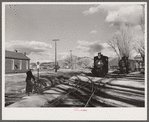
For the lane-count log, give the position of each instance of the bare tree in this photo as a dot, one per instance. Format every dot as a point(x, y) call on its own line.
point(121, 41)
point(142, 18)
point(70, 61)
point(84, 63)
point(67, 62)
point(140, 46)
point(77, 62)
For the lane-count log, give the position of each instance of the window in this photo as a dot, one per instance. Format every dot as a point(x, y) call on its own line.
point(20, 64)
point(26, 64)
point(12, 64)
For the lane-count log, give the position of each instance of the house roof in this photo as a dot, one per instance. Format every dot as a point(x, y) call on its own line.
point(15, 55)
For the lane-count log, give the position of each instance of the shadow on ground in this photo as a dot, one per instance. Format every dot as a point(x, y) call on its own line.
point(111, 95)
point(108, 95)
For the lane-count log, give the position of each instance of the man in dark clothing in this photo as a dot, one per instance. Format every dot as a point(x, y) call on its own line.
point(29, 85)
point(16, 68)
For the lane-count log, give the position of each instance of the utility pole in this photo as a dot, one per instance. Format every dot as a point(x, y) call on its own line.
point(71, 59)
point(38, 66)
point(55, 53)
point(75, 64)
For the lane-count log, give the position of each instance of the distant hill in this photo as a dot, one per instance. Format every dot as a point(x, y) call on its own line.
point(47, 63)
point(112, 62)
point(84, 58)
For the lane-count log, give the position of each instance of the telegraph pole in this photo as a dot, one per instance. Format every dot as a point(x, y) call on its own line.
point(71, 59)
point(38, 66)
point(55, 53)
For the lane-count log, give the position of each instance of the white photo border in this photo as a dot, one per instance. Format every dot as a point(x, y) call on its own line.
point(70, 113)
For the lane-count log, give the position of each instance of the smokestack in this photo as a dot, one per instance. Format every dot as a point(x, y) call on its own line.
point(15, 50)
point(25, 53)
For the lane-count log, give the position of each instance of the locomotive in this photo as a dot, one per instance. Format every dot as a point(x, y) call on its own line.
point(100, 65)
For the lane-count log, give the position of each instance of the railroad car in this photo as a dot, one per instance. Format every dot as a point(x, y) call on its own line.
point(131, 65)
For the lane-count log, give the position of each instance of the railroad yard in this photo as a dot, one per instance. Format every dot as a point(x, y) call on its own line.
point(74, 61)
point(78, 89)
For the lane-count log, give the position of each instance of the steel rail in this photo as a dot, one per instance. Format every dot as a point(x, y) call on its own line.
point(95, 90)
point(64, 96)
point(77, 86)
point(90, 98)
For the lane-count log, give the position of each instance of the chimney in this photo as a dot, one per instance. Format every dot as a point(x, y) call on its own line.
point(15, 50)
point(25, 53)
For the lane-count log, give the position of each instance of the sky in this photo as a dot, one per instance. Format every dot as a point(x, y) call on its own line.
point(82, 28)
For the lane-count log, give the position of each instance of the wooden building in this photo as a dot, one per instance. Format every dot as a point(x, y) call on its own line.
point(16, 62)
point(139, 63)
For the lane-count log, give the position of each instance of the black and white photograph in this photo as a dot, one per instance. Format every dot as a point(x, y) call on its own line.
point(74, 61)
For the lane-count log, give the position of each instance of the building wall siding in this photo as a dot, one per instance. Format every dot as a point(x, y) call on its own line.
point(8, 65)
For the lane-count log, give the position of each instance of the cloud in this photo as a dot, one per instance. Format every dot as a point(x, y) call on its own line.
point(86, 43)
point(118, 13)
point(137, 27)
point(102, 8)
point(92, 48)
point(93, 32)
point(130, 14)
point(8, 46)
point(28, 46)
point(41, 56)
point(47, 56)
point(105, 45)
point(91, 10)
point(108, 51)
point(35, 50)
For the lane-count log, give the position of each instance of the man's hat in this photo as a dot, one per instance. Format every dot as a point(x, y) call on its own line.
point(99, 53)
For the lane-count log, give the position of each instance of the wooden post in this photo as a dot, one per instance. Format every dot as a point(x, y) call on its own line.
point(38, 69)
point(56, 54)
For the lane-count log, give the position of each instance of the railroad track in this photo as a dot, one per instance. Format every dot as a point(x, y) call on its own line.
point(74, 97)
point(65, 96)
